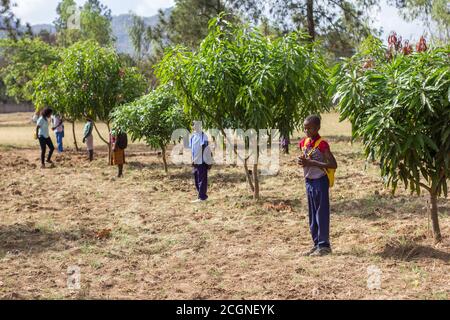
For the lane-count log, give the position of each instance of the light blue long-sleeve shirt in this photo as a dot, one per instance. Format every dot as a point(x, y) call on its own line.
point(196, 143)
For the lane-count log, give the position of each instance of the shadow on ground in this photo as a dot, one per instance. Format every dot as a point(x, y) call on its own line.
point(373, 207)
point(411, 251)
point(30, 239)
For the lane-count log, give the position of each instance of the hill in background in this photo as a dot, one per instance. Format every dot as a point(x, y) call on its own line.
point(120, 25)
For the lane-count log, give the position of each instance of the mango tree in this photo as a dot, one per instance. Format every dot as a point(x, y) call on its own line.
point(23, 60)
point(398, 103)
point(152, 118)
point(92, 82)
point(240, 79)
point(47, 92)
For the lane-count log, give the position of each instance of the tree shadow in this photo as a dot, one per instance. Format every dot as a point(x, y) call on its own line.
point(138, 165)
point(185, 174)
point(228, 177)
point(29, 239)
point(374, 207)
point(281, 205)
point(215, 175)
point(411, 251)
point(294, 201)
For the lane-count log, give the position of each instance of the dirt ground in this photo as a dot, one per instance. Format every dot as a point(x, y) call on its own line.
point(139, 237)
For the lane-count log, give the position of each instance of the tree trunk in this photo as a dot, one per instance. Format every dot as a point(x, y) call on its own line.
point(163, 152)
point(74, 136)
point(248, 176)
point(247, 172)
point(310, 18)
point(110, 158)
point(219, 6)
point(285, 143)
point(256, 182)
point(434, 217)
point(108, 143)
point(255, 173)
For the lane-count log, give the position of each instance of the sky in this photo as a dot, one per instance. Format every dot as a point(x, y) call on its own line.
point(44, 11)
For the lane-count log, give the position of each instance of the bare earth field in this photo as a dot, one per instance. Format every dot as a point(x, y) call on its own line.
point(139, 237)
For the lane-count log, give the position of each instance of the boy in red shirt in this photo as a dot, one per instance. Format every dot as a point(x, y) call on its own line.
point(315, 159)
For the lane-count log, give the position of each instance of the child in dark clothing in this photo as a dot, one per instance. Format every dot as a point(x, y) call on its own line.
point(315, 159)
point(118, 154)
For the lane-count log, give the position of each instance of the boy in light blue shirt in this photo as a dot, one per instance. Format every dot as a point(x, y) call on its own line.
point(198, 143)
point(58, 128)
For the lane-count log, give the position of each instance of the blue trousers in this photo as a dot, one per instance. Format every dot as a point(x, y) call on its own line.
point(317, 191)
point(201, 180)
point(59, 140)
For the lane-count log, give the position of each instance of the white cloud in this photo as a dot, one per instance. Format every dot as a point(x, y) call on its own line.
point(36, 11)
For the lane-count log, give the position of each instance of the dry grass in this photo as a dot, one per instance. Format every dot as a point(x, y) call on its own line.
point(17, 131)
point(162, 247)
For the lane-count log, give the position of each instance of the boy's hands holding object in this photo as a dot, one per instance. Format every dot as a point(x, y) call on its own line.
point(304, 162)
